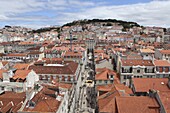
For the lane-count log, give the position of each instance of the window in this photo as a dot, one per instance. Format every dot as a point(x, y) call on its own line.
point(105, 81)
point(138, 71)
point(111, 76)
point(100, 81)
point(129, 77)
point(2, 88)
point(122, 70)
point(153, 70)
point(111, 81)
point(130, 69)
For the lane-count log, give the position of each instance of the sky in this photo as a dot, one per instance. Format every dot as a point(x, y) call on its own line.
point(43, 13)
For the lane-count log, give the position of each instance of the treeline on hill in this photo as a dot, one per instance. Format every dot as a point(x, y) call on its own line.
point(125, 24)
point(41, 30)
point(108, 22)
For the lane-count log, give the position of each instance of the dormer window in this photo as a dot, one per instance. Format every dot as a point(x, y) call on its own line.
point(31, 104)
point(111, 76)
point(138, 71)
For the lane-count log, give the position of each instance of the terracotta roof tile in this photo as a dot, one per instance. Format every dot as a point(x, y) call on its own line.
point(45, 101)
point(165, 99)
point(133, 55)
point(26, 43)
point(146, 51)
point(136, 62)
point(72, 54)
point(107, 104)
point(64, 85)
point(135, 104)
point(104, 74)
point(145, 84)
point(98, 51)
point(4, 63)
point(70, 68)
point(21, 74)
point(20, 66)
point(107, 101)
point(11, 101)
point(165, 51)
point(17, 55)
point(107, 87)
point(161, 63)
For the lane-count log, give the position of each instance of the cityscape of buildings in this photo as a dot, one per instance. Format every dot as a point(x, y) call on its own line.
point(98, 67)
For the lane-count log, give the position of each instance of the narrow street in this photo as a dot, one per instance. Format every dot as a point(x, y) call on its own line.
point(87, 96)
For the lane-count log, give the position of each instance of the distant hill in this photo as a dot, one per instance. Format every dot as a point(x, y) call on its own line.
point(109, 22)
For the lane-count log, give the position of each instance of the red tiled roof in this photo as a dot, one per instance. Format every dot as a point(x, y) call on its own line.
point(165, 99)
point(133, 55)
point(165, 51)
point(73, 54)
point(26, 43)
point(104, 74)
point(119, 49)
point(20, 66)
point(45, 101)
point(118, 87)
point(2, 54)
point(146, 51)
point(98, 51)
point(4, 63)
point(161, 63)
point(17, 55)
point(136, 62)
point(122, 87)
point(11, 101)
point(137, 104)
point(145, 84)
point(51, 61)
point(107, 103)
point(21, 74)
point(66, 69)
point(64, 85)
point(107, 87)
point(101, 69)
point(34, 48)
point(6, 108)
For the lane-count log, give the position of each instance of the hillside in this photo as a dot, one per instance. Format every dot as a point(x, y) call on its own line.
point(108, 22)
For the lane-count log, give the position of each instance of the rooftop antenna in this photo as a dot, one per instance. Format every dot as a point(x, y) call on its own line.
point(70, 40)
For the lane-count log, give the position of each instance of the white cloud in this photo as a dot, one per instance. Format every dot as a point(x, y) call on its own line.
point(79, 3)
point(154, 13)
point(13, 7)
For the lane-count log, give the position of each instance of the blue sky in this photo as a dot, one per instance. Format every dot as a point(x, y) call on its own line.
point(41, 13)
